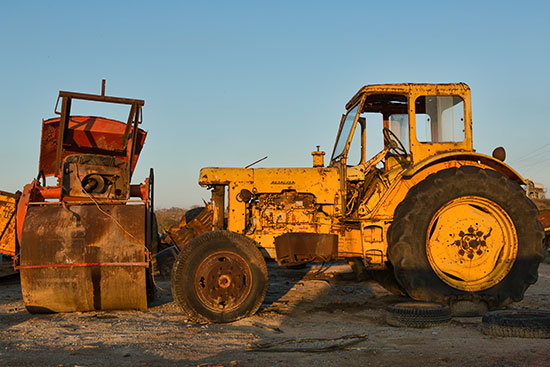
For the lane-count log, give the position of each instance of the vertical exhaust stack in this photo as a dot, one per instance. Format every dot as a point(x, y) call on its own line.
point(318, 157)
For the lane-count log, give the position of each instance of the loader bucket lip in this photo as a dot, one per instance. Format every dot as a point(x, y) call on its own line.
point(86, 134)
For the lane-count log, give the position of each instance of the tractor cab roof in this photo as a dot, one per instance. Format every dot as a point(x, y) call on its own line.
point(459, 89)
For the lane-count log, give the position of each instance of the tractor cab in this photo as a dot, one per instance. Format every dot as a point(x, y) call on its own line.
point(404, 196)
point(416, 121)
point(389, 128)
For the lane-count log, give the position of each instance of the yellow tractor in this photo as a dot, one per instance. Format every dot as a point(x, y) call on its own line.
point(431, 217)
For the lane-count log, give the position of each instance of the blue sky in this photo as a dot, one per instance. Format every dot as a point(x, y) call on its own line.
point(229, 82)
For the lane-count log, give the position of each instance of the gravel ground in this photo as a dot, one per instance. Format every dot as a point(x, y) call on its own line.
point(304, 310)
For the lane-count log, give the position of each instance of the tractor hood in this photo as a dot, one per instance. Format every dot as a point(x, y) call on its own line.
point(322, 182)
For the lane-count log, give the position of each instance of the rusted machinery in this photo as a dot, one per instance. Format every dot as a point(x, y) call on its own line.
point(84, 243)
point(430, 216)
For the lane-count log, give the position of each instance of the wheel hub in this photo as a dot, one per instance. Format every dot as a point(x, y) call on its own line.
point(223, 280)
point(471, 243)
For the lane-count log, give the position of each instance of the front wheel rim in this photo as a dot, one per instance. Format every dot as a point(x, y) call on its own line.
point(471, 243)
point(223, 281)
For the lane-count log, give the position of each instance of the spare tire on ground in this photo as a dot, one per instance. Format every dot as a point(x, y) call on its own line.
point(418, 314)
point(517, 323)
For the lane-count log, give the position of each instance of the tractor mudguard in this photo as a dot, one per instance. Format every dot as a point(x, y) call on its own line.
point(494, 163)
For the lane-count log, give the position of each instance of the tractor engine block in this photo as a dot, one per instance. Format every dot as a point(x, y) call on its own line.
point(285, 211)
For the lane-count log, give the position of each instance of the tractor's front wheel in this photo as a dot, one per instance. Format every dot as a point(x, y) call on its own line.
point(219, 276)
point(466, 234)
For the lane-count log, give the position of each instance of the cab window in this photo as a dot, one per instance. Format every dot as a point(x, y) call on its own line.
point(399, 125)
point(374, 138)
point(439, 119)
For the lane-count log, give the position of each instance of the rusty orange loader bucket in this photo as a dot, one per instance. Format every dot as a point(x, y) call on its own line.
point(84, 243)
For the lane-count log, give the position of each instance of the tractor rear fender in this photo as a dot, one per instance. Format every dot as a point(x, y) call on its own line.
point(477, 158)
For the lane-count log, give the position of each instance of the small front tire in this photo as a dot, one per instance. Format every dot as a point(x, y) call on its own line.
point(219, 277)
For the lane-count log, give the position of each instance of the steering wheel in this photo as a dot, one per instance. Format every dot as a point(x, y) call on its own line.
point(394, 144)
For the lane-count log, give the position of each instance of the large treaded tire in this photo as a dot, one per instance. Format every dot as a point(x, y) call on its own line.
point(198, 263)
point(408, 233)
point(517, 323)
point(417, 314)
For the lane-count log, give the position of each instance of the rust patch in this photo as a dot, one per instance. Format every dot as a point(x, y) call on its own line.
point(56, 239)
point(299, 248)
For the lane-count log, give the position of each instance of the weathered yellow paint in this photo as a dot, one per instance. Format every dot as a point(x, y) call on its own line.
point(320, 181)
point(224, 176)
point(421, 150)
point(457, 89)
point(7, 223)
point(323, 183)
point(404, 180)
point(236, 209)
point(364, 234)
point(468, 158)
point(471, 243)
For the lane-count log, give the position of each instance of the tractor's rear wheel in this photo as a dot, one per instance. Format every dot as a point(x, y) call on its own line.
point(219, 276)
point(466, 234)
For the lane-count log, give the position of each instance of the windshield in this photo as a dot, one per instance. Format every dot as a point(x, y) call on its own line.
point(344, 133)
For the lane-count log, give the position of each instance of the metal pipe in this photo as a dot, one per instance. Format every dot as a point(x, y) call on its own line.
point(218, 199)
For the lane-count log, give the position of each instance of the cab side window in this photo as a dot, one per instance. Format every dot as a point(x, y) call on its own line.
point(439, 119)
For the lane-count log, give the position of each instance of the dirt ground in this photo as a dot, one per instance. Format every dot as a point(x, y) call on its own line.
point(300, 304)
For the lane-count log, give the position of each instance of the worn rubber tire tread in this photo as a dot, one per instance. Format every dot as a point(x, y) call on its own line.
point(417, 314)
point(407, 235)
point(517, 323)
point(197, 250)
